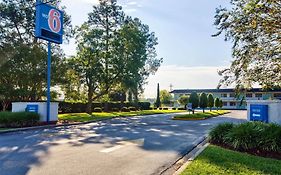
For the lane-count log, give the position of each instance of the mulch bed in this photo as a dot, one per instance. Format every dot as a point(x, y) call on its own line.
point(261, 153)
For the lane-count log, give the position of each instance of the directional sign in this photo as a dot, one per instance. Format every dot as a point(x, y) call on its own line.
point(49, 23)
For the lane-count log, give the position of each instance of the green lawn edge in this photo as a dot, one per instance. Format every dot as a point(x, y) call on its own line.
point(200, 115)
point(217, 160)
point(84, 117)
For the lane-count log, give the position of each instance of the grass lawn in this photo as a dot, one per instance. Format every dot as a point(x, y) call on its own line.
point(84, 117)
point(217, 160)
point(200, 115)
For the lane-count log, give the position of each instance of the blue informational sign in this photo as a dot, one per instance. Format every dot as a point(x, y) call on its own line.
point(32, 108)
point(259, 113)
point(49, 23)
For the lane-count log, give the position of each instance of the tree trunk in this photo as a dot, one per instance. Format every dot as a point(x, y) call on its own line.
point(203, 110)
point(90, 100)
point(5, 105)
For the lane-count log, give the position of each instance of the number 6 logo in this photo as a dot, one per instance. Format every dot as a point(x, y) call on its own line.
point(54, 20)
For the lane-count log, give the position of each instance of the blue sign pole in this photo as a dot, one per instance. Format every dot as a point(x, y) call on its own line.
point(49, 82)
point(49, 26)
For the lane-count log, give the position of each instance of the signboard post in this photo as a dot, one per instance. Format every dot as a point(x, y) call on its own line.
point(49, 27)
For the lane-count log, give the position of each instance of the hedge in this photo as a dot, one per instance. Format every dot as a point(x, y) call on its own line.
point(68, 107)
point(18, 119)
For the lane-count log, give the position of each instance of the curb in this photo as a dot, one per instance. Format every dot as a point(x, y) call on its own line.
point(53, 126)
point(70, 124)
point(188, 156)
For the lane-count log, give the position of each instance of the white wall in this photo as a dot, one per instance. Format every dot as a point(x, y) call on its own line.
point(42, 109)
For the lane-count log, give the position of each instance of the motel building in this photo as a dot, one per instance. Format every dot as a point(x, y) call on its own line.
point(230, 100)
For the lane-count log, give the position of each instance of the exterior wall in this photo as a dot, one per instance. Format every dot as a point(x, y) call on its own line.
point(232, 102)
point(42, 110)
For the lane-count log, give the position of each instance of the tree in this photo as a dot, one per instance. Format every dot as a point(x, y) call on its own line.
point(23, 57)
point(221, 103)
point(203, 102)
point(183, 100)
point(115, 53)
point(194, 99)
point(210, 101)
point(217, 103)
point(158, 102)
point(165, 97)
point(254, 28)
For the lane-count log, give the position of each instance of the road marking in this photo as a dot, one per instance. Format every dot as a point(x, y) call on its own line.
point(121, 144)
point(108, 150)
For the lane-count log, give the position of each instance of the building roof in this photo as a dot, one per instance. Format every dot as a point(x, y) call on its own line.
point(186, 91)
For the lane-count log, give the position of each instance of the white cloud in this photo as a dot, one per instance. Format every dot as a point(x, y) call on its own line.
point(182, 77)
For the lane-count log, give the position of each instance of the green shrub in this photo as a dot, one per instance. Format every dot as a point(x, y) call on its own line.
point(181, 108)
point(132, 109)
point(165, 108)
point(125, 109)
point(160, 108)
point(144, 105)
point(18, 119)
point(174, 108)
point(255, 136)
point(218, 133)
point(271, 138)
point(115, 109)
point(245, 136)
point(97, 110)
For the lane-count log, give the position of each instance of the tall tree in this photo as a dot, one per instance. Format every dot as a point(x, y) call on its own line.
point(254, 27)
point(135, 53)
point(210, 101)
point(203, 102)
point(115, 53)
point(158, 102)
point(217, 103)
point(194, 99)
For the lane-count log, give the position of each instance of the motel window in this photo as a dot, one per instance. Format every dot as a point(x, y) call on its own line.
point(258, 95)
point(232, 103)
point(232, 95)
point(223, 95)
point(224, 103)
point(249, 95)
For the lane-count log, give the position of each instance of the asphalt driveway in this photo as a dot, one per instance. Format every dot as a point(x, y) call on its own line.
point(136, 145)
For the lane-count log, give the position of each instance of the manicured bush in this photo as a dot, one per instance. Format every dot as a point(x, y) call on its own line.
point(97, 110)
point(181, 108)
point(132, 108)
point(18, 119)
point(250, 136)
point(165, 108)
point(144, 105)
point(125, 109)
point(203, 101)
point(174, 108)
point(160, 108)
point(115, 110)
point(218, 133)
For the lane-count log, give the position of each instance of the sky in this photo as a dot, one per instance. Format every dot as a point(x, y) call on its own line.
point(192, 57)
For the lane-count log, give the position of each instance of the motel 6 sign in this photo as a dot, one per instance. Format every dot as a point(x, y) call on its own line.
point(49, 23)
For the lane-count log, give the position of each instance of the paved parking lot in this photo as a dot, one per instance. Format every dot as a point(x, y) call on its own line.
point(135, 145)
